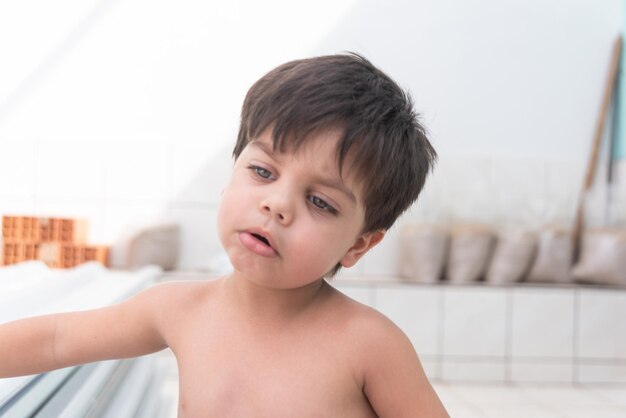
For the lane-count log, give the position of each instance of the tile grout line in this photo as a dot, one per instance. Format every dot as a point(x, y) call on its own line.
point(575, 335)
point(508, 337)
point(442, 328)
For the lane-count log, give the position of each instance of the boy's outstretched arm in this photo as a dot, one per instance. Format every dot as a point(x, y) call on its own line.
point(43, 343)
point(394, 381)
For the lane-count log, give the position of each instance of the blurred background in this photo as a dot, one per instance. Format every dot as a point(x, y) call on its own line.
point(124, 113)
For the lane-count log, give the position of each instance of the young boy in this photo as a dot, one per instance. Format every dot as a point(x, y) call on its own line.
point(329, 154)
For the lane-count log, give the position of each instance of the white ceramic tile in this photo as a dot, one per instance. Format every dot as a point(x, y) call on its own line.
point(467, 188)
point(606, 372)
point(521, 412)
point(562, 184)
point(16, 205)
point(17, 169)
point(124, 219)
point(383, 258)
point(541, 372)
point(361, 293)
point(553, 401)
point(200, 172)
point(70, 169)
point(602, 331)
point(485, 395)
point(542, 323)
point(497, 402)
point(417, 311)
point(477, 370)
point(593, 411)
point(520, 196)
point(474, 321)
point(562, 395)
point(139, 170)
point(615, 395)
point(199, 239)
point(429, 206)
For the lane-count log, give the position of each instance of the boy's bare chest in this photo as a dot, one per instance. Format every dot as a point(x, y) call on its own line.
point(229, 372)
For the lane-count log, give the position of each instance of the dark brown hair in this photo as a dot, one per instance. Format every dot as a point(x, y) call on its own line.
point(390, 153)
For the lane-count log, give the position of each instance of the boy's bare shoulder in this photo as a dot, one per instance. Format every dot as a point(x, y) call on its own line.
point(181, 288)
point(366, 324)
point(188, 293)
point(178, 291)
point(172, 302)
point(387, 365)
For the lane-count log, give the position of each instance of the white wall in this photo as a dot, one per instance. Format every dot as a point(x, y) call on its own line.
point(126, 111)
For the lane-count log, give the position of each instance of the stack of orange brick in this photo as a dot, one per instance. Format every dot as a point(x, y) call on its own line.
point(60, 243)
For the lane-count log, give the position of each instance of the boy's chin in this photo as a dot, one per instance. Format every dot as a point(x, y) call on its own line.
point(276, 279)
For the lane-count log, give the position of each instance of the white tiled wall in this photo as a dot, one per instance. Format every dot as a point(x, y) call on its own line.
point(199, 235)
point(417, 311)
point(140, 170)
point(507, 334)
point(541, 371)
point(60, 174)
point(473, 370)
point(554, 310)
point(593, 371)
point(602, 333)
point(17, 175)
point(542, 335)
point(476, 328)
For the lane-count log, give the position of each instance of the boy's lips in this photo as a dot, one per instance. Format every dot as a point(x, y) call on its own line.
point(259, 242)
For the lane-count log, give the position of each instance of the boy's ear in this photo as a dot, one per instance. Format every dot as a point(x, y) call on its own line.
point(361, 246)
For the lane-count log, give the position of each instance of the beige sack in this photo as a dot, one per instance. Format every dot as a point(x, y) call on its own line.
point(156, 245)
point(423, 251)
point(602, 258)
point(553, 262)
point(512, 256)
point(470, 251)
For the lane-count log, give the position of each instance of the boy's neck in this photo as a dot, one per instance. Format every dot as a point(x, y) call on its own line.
point(272, 304)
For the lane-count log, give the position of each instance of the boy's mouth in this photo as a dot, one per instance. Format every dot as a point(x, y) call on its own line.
point(258, 243)
point(262, 239)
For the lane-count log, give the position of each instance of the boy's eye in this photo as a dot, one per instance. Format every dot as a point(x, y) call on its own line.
point(260, 171)
point(322, 204)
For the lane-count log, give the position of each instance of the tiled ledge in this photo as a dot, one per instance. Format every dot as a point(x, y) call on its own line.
point(391, 280)
point(525, 332)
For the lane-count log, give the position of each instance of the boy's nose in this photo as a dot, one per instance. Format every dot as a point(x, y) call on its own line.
point(277, 208)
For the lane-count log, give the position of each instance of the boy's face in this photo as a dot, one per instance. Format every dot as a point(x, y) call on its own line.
point(286, 219)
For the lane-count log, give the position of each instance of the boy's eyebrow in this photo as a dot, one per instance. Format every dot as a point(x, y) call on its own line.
point(324, 181)
point(266, 148)
point(338, 185)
